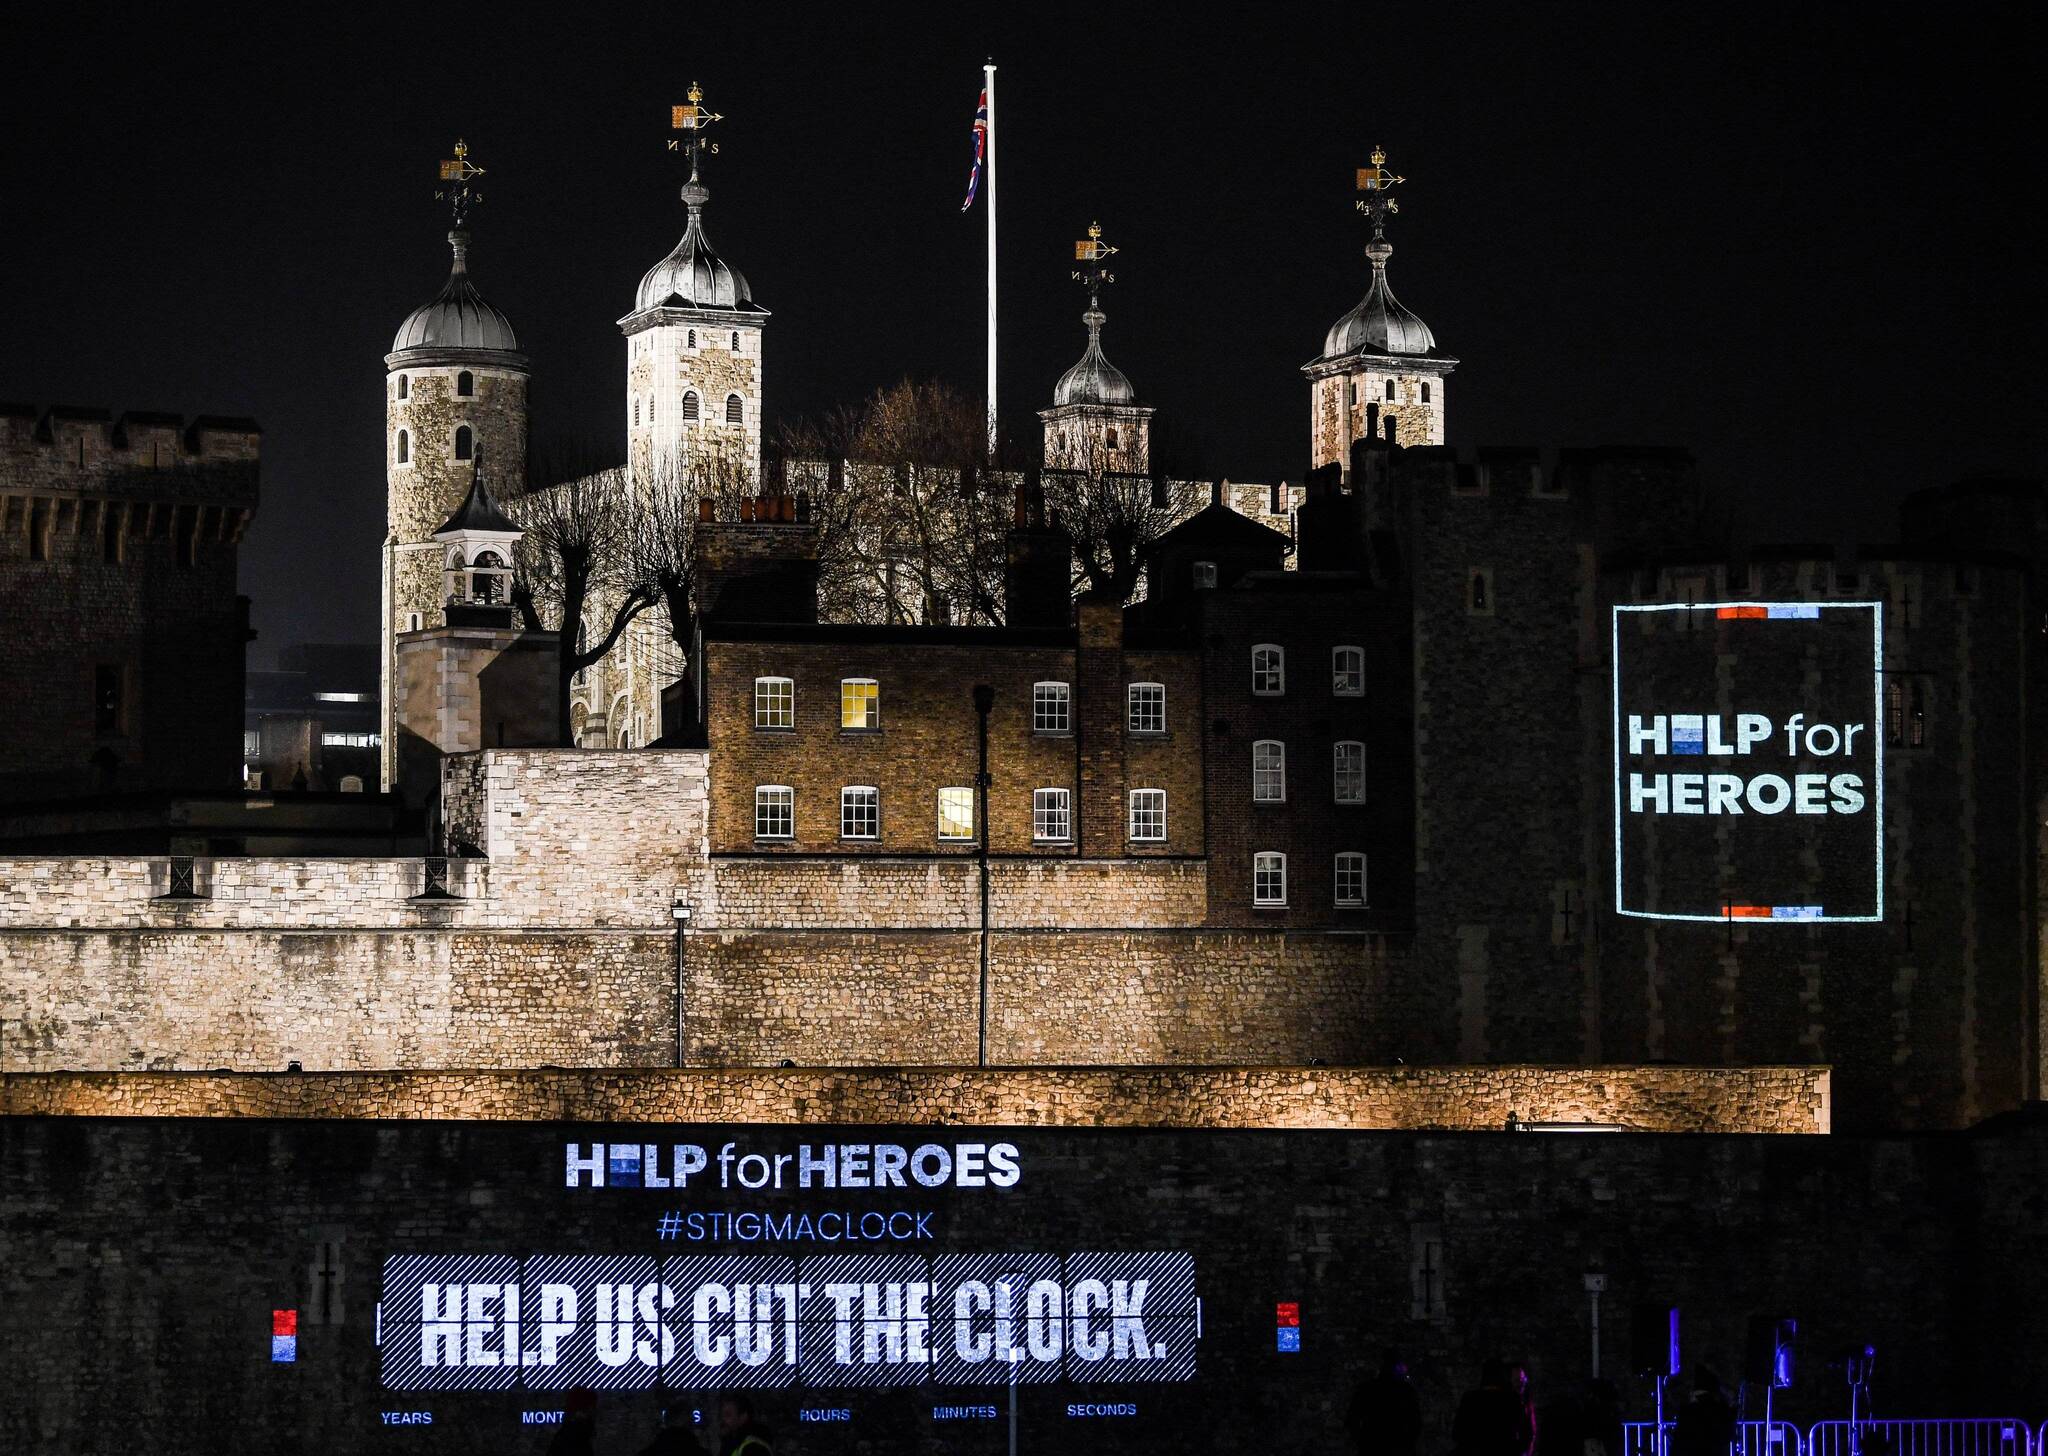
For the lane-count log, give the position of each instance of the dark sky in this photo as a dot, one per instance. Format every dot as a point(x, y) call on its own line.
point(1790, 237)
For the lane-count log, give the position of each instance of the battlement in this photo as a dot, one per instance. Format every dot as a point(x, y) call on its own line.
point(138, 455)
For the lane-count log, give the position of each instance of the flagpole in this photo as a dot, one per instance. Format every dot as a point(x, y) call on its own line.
point(989, 81)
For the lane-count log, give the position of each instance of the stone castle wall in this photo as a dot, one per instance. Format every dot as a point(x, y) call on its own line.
point(120, 1312)
point(118, 547)
point(1777, 1100)
point(559, 945)
point(1929, 1018)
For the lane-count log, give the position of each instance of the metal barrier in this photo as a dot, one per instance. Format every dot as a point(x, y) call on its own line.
point(1781, 1438)
point(1983, 1437)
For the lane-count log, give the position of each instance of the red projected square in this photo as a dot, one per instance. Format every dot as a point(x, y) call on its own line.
point(1289, 1314)
point(284, 1322)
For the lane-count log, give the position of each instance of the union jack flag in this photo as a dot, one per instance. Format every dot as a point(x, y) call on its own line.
point(980, 147)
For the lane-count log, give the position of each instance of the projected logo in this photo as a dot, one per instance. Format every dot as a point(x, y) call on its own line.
point(1749, 761)
point(631, 1322)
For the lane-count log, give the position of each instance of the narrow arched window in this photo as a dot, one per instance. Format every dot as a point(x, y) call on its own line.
point(1111, 441)
point(735, 341)
point(733, 408)
point(465, 384)
point(636, 414)
point(1347, 672)
point(1269, 771)
point(465, 442)
point(404, 387)
point(1348, 784)
point(487, 576)
point(1269, 670)
point(1425, 393)
point(404, 448)
point(690, 406)
point(1390, 389)
point(693, 338)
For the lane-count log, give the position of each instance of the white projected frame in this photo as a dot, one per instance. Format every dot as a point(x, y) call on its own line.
point(1877, 730)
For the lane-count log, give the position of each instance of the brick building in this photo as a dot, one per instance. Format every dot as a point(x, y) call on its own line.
point(1226, 720)
point(118, 542)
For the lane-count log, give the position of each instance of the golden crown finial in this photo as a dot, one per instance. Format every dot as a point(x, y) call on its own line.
point(696, 93)
point(1379, 157)
point(461, 149)
point(1094, 229)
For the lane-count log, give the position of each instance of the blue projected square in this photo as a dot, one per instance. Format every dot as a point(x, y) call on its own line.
point(284, 1349)
point(1290, 1338)
point(1688, 733)
point(624, 1168)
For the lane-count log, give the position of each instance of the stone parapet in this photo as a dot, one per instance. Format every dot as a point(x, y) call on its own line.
point(1475, 1099)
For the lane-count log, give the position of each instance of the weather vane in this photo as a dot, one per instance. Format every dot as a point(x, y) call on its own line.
point(1094, 252)
point(1377, 183)
point(456, 174)
point(692, 119)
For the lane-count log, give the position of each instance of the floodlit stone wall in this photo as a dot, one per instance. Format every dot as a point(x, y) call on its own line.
point(1476, 1099)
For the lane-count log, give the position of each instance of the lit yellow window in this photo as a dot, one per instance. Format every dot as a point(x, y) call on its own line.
point(860, 703)
point(956, 813)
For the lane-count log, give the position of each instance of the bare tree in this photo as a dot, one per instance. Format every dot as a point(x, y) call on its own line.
point(1112, 516)
point(576, 574)
point(911, 517)
point(661, 534)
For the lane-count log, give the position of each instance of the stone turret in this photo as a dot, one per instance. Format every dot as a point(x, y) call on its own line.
point(1381, 374)
point(693, 346)
point(455, 389)
point(1096, 423)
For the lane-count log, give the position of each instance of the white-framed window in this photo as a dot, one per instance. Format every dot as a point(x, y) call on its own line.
point(1269, 878)
point(860, 703)
point(1269, 670)
point(465, 384)
point(1269, 771)
point(405, 447)
point(1351, 878)
point(774, 811)
point(414, 621)
point(860, 812)
point(733, 410)
point(956, 813)
point(1347, 672)
point(774, 702)
point(1205, 575)
point(1051, 708)
point(690, 402)
point(1148, 816)
point(1147, 702)
point(1348, 772)
point(1052, 817)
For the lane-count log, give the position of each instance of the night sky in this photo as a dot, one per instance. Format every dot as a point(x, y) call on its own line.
point(1791, 238)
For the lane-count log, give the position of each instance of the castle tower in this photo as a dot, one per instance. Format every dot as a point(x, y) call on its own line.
point(693, 341)
point(454, 391)
point(1380, 372)
point(1095, 422)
